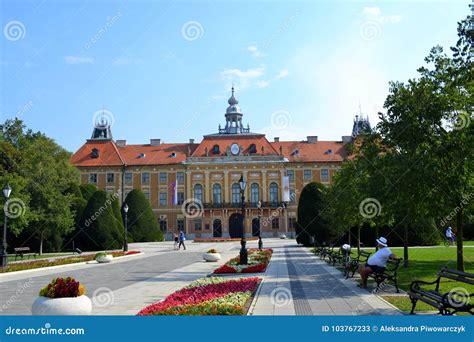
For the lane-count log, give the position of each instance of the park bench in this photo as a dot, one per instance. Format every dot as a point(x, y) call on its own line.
point(389, 274)
point(351, 267)
point(458, 299)
point(24, 251)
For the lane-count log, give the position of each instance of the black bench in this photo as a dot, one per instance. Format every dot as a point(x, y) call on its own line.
point(353, 265)
point(389, 274)
point(456, 300)
point(23, 251)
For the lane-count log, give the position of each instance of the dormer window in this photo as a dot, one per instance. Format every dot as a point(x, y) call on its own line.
point(295, 153)
point(173, 155)
point(215, 149)
point(253, 148)
point(142, 155)
point(95, 153)
point(328, 151)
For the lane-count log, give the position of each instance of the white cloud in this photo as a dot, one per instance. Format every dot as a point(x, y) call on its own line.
point(282, 74)
point(262, 84)
point(253, 49)
point(374, 13)
point(243, 78)
point(78, 60)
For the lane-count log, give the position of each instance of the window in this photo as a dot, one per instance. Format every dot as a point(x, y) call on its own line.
point(291, 222)
point(324, 175)
point(307, 175)
point(180, 198)
point(253, 148)
point(198, 192)
point(110, 177)
point(128, 178)
point(275, 223)
point(180, 224)
point(147, 195)
point(291, 175)
point(235, 193)
point(215, 149)
point(180, 177)
point(163, 199)
point(163, 177)
point(145, 178)
point(273, 193)
point(254, 193)
point(292, 196)
point(197, 225)
point(163, 225)
point(217, 194)
point(93, 178)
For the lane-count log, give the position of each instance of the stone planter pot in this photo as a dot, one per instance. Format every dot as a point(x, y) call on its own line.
point(68, 306)
point(282, 236)
point(211, 257)
point(104, 259)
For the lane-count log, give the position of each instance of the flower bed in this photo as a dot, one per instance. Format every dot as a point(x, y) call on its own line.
point(207, 296)
point(223, 239)
point(257, 262)
point(13, 267)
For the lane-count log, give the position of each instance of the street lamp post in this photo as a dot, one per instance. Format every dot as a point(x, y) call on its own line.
point(125, 241)
point(243, 242)
point(260, 242)
point(7, 190)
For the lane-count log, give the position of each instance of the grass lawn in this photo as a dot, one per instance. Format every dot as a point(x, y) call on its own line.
point(43, 256)
point(424, 263)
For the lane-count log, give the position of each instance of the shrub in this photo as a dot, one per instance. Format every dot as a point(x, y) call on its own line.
point(143, 225)
point(63, 287)
point(87, 190)
point(99, 255)
point(212, 251)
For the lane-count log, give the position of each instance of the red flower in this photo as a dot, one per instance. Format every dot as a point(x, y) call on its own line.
point(224, 269)
point(255, 268)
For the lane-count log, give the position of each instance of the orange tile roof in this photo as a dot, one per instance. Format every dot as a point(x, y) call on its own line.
point(226, 141)
point(108, 155)
point(302, 151)
point(156, 155)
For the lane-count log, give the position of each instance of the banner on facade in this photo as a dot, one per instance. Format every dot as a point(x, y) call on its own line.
point(286, 189)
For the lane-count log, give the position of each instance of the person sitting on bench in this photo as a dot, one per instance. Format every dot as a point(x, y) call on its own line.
point(377, 262)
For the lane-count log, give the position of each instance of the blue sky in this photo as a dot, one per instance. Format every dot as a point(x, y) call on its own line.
point(163, 69)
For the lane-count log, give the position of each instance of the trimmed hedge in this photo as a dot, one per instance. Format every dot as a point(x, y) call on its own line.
point(142, 224)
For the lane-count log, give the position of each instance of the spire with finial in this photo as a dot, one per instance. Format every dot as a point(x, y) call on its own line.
point(233, 117)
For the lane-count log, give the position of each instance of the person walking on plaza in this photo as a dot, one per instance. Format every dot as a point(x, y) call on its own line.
point(181, 240)
point(450, 235)
point(377, 262)
point(176, 241)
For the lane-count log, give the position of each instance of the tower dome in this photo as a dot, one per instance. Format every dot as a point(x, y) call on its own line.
point(233, 118)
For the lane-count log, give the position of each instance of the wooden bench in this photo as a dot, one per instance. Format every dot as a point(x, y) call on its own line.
point(457, 299)
point(353, 265)
point(24, 251)
point(389, 274)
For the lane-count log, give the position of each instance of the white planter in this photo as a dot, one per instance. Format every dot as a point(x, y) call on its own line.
point(283, 236)
point(105, 259)
point(211, 257)
point(68, 306)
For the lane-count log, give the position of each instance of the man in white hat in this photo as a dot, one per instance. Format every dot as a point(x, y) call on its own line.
point(377, 262)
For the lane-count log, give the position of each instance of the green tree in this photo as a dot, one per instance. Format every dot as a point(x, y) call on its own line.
point(310, 218)
point(142, 223)
point(98, 226)
point(87, 190)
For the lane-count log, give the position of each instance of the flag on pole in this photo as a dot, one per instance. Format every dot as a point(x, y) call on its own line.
point(175, 192)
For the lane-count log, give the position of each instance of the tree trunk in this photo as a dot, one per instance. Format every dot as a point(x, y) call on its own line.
point(349, 238)
point(358, 238)
point(376, 237)
point(459, 235)
point(405, 247)
point(41, 243)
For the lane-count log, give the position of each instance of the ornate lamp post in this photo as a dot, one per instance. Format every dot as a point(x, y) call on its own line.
point(7, 190)
point(125, 241)
point(243, 242)
point(260, 242)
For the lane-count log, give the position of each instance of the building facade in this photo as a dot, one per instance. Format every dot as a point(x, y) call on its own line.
point(195, 186)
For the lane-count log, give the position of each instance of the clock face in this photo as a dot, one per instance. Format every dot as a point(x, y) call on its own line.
point(234, 149)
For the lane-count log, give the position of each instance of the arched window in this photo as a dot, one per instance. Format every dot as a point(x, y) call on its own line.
point(254, 194)
point(198, 192)
point(235, 193)
point(217, 194)
point(273, 193)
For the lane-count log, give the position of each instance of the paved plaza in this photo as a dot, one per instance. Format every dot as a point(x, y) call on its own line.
point(296, 282)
